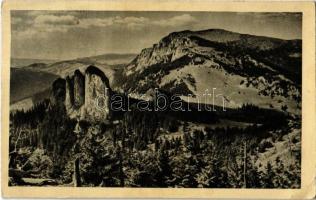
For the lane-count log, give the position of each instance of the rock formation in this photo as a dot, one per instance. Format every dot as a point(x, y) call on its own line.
point(69, 93)
point(58, 91)
point(79, 89)
point(97, 95)
point(85, 96)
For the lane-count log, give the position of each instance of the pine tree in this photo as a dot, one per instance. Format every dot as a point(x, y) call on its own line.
point(165, 171)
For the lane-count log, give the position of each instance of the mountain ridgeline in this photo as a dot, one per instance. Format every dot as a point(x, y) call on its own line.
point(245, 68)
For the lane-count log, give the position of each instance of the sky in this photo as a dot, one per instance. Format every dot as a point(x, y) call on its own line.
point(66, 35)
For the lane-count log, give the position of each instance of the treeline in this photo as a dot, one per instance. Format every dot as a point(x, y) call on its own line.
point(253, 114)
point(140, 128)
point(31, 117)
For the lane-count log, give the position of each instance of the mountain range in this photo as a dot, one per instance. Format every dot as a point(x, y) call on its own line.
point(73, 122)
point(242, 68)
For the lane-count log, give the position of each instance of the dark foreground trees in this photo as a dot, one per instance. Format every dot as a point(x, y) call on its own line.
point(154, 150)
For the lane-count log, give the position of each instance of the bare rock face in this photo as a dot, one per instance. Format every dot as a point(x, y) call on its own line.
point(86, 96)
point(78, 89)
point(69, 99)
point(58, 91)
point(170, 48)
point(97, 95)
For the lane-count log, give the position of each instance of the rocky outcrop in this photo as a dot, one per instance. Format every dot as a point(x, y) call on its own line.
point(85, 95)
point(79, 89)
point(69, 100)
point(97, 95)
point(58, 91)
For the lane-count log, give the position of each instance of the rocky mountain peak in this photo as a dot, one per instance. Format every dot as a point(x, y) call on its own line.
point(178, 44)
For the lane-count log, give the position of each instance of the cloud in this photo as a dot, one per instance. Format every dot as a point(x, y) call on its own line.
point(136, 22)
point(43, 23)
point(63, 21)
point(16, 20)
point(132, 22)
point(96, 22)
point(129, 22)
point(28, 34)
point(56, 20)
point(35, 13)
point(179, 20)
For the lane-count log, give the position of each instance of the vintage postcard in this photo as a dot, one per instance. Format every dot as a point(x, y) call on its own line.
point(158, 99)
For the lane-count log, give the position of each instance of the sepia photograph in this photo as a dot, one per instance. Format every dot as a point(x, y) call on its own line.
point(155, 99)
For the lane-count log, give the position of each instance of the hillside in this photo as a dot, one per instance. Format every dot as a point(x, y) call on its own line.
point(42, 73)
point(108, 63)
point(26, 84)
point(22, 62)
point(109, 59)
point(243, 68)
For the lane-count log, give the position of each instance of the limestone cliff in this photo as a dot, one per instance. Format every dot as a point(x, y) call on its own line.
point(97, 95)
point(79, 90)
point(69, 99)
point(86, 95)
point(58, 91)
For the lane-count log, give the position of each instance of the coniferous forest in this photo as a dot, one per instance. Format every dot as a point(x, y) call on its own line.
point(151, 149)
